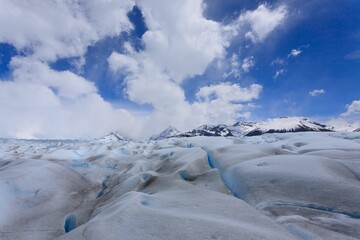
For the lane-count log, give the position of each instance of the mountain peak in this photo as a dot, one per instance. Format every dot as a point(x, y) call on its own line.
point(286, 124)
point(209, 130)
point(113, 136)
point(167, 133)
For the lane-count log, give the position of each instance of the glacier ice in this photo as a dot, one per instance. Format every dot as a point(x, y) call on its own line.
point(273, 186)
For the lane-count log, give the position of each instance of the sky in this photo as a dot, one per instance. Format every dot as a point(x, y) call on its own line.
point(84, 68)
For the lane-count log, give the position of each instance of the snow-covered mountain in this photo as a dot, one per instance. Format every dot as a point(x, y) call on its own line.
point(357, 130)
point(208, 130)
point(167, 133)
point(284, 124)
point(113, 136)
point(276, 125)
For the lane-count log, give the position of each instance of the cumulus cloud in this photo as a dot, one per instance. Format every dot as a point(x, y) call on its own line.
point(47, 103)
point(179, 38)
point(224, 102)
point(49, 30)
point(216, 104)
point(66, 84)
point(352, 109)
point(118, 62)
point(317, 92)
point(261, 22)
point(348, 120)
point(179, 44)
point(38, 101)
point(147, 84)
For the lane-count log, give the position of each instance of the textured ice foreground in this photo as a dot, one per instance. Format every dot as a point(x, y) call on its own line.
point(274, 186)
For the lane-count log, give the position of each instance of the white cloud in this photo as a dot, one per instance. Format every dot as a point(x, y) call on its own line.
point(348, 120)
point(234, 67)
point(343, 124)
point(261, 21)
point(40, 102)
point(118, 62)
point(352, 109)
point(179, 38)
point(66, 84)
point(180, 43)
point(283, 61)
point(228, 92)
point(149, 85)
point(279, 73)
point(278, 61)
point(317, 92)
point(294, 53)
point(35, 109)
point(49, 30)
point(154, 87)
point(247, 63)
point(224, 102)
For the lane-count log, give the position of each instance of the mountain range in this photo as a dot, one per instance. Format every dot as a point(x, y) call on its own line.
point(276, 125)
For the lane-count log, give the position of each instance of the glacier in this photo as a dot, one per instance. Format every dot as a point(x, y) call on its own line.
point(303, 185)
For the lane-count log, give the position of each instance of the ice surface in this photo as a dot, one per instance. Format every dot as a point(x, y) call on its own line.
point(312, 175)
point(273, 186)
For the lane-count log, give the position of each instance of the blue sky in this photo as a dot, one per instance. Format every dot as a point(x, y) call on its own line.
point(71, 72)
